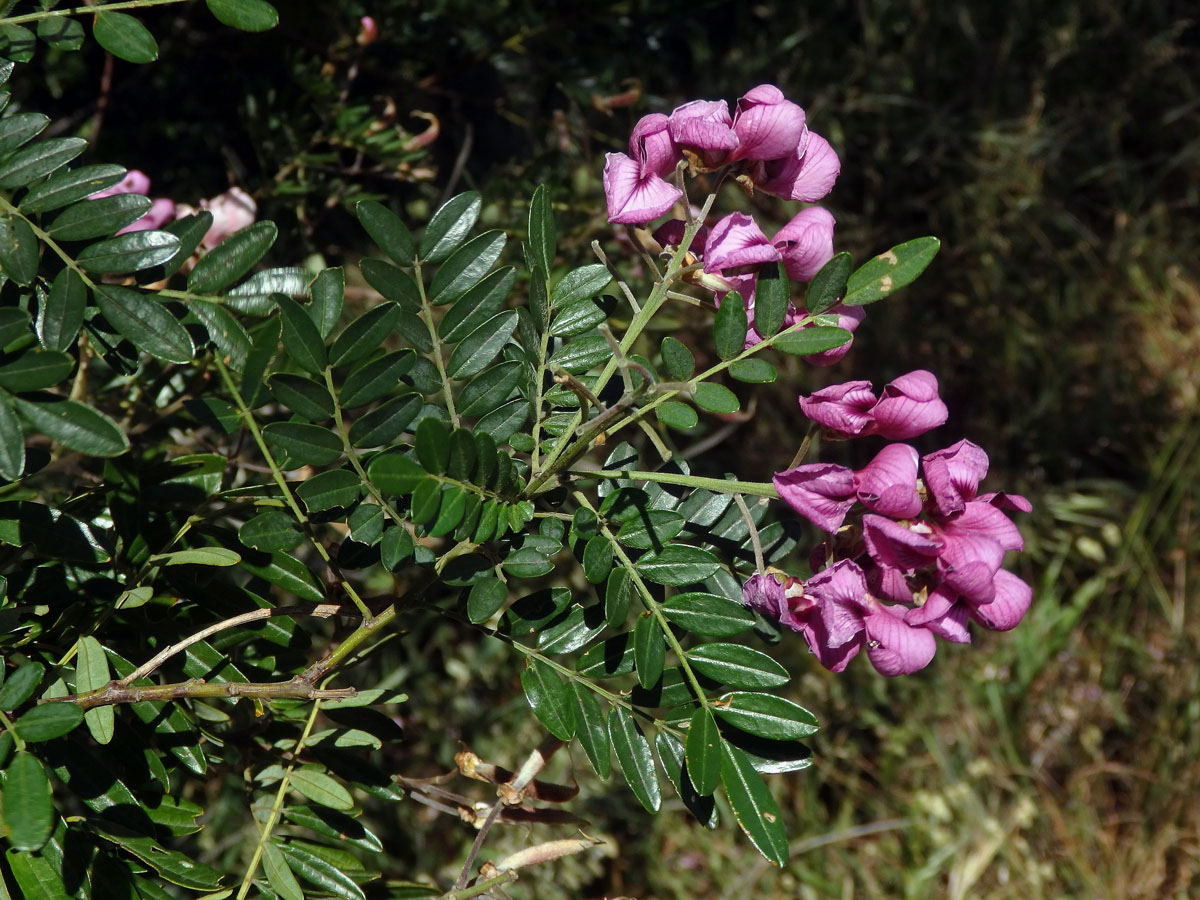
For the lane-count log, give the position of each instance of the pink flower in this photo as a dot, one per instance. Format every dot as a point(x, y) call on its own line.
point(806, 243)
point(767, 125)
point(368, 31)
point(134, 182)
point(735, 242)
point(705, 128)
point(807, 175)
point(821, 492)
point(231, 211)
point(161, 211)
point(907, 407)
point(634, 185)
point(888, 483)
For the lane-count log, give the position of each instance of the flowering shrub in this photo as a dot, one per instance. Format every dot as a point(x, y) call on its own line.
point(224, 492)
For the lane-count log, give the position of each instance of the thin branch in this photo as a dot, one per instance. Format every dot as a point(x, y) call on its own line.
point(114, 692)
point(612, 270)
point(482, 887)
point(754, 539)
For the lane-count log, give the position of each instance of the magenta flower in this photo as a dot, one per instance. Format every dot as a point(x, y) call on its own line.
point(888, 483)
point(806, 243)
point(821, 492)
point(737, 241)
point(768, 125)
point(807, 175)
point(162, 211)
point(134, 182)
point(907, 407)
point(634, 185)
point(705, 128)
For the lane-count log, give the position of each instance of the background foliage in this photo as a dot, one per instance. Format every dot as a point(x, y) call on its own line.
point(1052, 148)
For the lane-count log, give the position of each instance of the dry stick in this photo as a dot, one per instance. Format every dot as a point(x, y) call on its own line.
point(758, 554)
point(612, 270)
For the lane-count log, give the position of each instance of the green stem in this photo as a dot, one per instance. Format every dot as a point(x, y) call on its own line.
point(277, 474)
point(84, 10)
point(718, 485)
point(430, 326)
point(7, 723)
point(481, 887)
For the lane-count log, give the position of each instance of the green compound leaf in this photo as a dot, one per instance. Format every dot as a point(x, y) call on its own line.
point(61, 316)
point(35, 369)
point(14, 323)
point(753, 806)
point(126, 253)
point(394, 475)
point(364, 335)
point(322, 788)
point(592, 730)
point(828, 285)
point(74, 184)
point(485, 599)
point(245, 15)
point(890, 271)
point(766, 716)
point(708, 615)
point(302, 396)
point(715, 398)
point(198, 556)
point(172, 865)
point(17, 43)
point(381, 426)
point(301, 338)
point(320, 872)
point(704, 752)
point(375, 378)
point(124, 37)
point(279, 874)
point(618, 594)
point(36, 877)
point(753, 371)
point(449, 227)
point(649, 650)
point(94, 218)
point(580, 285)
point(466, 267)
point(542, 237)
point(771, 296)
point(73, 425)
point(285, 572)
point(553, 701)
point(677, 564)
point(37, 160)
point(47, 722)
point(634, 758)
point(92, 673)
point(387, 230)
point(304, 444)
point(730, 327)
point(671, 757)
point(20, 129)
point(480, 347)
point(433, 445)
point(327, 490)
point(814, 339)
point(28, 810)
point(490, 389)
point(737, 666)
point(20, 685)
point(477, 305)
point(233, 258)
point(328, 291)
point(61, 33)
point(677, 415)
point(597, 559)
point(18, 249)
point(677, 359)
point(147, 324)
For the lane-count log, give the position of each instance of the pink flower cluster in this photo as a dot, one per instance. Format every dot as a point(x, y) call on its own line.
point(926, 557)
point(231, 211)
point(767, 145)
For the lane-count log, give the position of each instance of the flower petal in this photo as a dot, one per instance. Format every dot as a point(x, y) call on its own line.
point(632, 199)
point(806, 243)
point(888, 483)
point(767, 125)
point(895, 647)
point(651, 145)
point(1013, 597)
point(892, 545)
point(952, 475)
point(704, 125)
point(737, 241)
point(909, 406)
point(821, 492)
point(843, 409)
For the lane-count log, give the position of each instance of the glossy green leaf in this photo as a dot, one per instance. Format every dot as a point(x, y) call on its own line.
point(449, 227)
point(387, 230)
point(18, 249)
point(815, 339)
point(191, 231)
point(675, 414)
point(233, 258)
point(887, 273)
point(766, 716)
point(580, 285)
point(270, 530)
point(366, 523)
point(92, 673)
point(490, 388)
point(729, 329)
point(393, 283)
point(715, 398)
point(20, 685)
point(375, 378)
point(677, 359)
point(553, 702)
point(450, 511)
point(677, 564)
point(17, 43)
point(828, 285)
point(381, 426)
point(704, 752)
point(172, 865)
point(394, 475)
point(708, 614)
point(597, 559)
point(288, 573)
point(20, 128)
point(61, 33)
point(130, 252)
point(485, 599)
point(124, 37)
point(255, 295)
point(320, 872)
point(52, 532)
point(364, 335)
point(466, 266)
point(634, 758)
point(303, 396)
point(395, 547)
point(480, 347)
point(333, 824)
point(618, 594)
point(279, 874)
point(326, 490)
point(672, 758)
point(502, 422)
point(147, 324)
point(737, 666)
point(753, 371)
point(651, 528)
point(433, 445)
point(608, 659)
point(649, 650)
point(301, 338)
point(38, 160)
point(426, 499)
point(35, 369)
point(95, 218)
point(198, 556)
point(28, 811)
point(12, 443)
point(580, 318)
point(36, 877)
point(73, 425)
point(528, 562)
point(245, 15)
point(66, 187)
point(753, 806)
point(328, 292)
point(462, 455)
point(322, 788)
point(542, 237)
point(14, 323)
point(304, 444)
point(592, 730)
point(61, 316)
point(49, 721)
point(477, 305)
point(581, 354)
point(771, 296)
